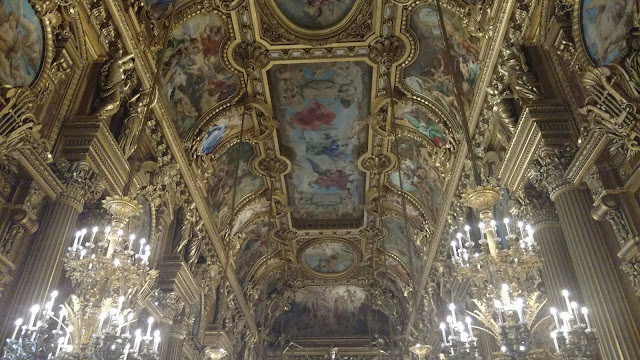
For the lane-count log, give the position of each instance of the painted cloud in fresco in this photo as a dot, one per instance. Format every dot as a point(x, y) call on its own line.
point(315, 14)
point(605, 25)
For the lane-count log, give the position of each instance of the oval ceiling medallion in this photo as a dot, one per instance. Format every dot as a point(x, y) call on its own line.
point(605, 25)
point(22, 45)
point(315, 14)
point(330, 257)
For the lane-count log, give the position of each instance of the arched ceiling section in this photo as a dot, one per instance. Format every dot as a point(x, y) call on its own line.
point(229, 177)
point(334, 127)
point(428, 71)
point(195, 75)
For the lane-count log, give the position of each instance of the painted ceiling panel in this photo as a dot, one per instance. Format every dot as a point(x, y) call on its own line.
point(338, 311)
point(428, 75)
point(256, 245)
point(322, 109)
point(220, 186)
point(419, 175)
point(401, 244)
point(195, 77)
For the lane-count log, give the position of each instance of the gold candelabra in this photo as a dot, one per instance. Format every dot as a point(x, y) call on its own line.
point(109, 270)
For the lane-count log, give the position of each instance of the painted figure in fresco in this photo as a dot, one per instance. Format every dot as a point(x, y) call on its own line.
point(609, 30)
point(20, 39)
point(429, 129)
point(328, 146)
point(211, 39)
point(313, 117)
point(332, 178)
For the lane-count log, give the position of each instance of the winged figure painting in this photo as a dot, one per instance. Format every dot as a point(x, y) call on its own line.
point(330, 178)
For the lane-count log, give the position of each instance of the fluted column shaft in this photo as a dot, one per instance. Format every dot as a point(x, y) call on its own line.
point(44, 266)
point(488, 345)
point(557, 270)
point(597, 276)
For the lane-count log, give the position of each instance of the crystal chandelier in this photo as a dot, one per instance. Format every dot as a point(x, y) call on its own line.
point(573, 338)
point(110, 273)
point(459, 344)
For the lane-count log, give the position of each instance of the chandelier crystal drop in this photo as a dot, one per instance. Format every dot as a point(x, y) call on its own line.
point(109, 270)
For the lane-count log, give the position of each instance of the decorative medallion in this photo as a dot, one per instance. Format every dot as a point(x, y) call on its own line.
point(605, 25)
point(21, 43)
point(330, 257)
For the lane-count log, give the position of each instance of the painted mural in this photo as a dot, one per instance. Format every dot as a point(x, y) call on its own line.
point(429, 74)
point(220, 185)
point(323, 110)
point(330, 257)
point(315, 14)
point(401, 244)
point(255, 246)
point(195, 76)
point(402, 206)
point(140, 224)
point(419, 176)
point(331, 311)
point(399, 269)
point(160, 8)
point(226, 124)
point(417, 119)
point(21, 43)
point(605, 25)
point(247, 213)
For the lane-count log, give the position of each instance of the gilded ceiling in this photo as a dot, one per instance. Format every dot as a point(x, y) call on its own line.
point(325, 134)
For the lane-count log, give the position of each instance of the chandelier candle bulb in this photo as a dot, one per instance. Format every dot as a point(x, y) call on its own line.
point(519, 305)
point(35, 331)
point(137, 340)
point(150, 321)
point(34, 312)
point(61, 315)
point(60, 345)
point(129, 320)
point(506, 225)
point(574, 307)
point(444, 334)
point(103, 316)
point(94, 231)
point(142, 241)
point(15, 331)
point(468, 321)
point(520, 226)
point(554, 313)
point(565, 294)
point(120, 302)
point(83, 232)
point(498, 306)
point(452, 307)
point(554, 336)
point(459, 236)
point(156, 340)
point(585, 312)
point(75, 241)
point(467, 228)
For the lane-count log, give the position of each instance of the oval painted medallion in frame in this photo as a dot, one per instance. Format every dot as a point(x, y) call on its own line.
point(329, 257)
point(315, 14)
point(605, 25)
point(21, 43)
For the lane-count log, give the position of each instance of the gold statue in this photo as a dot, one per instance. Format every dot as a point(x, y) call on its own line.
point(116, 79)
point(132, 126)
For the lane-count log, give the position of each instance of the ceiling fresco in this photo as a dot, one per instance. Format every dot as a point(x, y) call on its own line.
point(605, 25)
point(315, 14)
point(22, 45)
point(323, 169)
point(322, 110)
point(339, 311)
point(418, 175)
point(428, 74)
point(231, 179)
point(195, 76)
point(330, 257)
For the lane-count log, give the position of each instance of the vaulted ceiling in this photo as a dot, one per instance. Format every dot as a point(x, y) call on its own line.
point(326, 138)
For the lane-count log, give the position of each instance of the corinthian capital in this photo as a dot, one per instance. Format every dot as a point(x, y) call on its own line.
point(82, 183)
point(534, 207)
point(547, 171)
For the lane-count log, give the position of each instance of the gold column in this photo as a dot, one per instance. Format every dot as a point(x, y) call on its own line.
point(44, 266)
point(596, 274)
